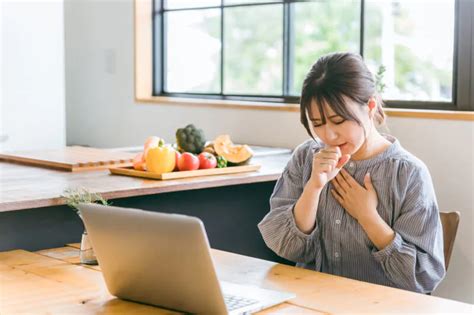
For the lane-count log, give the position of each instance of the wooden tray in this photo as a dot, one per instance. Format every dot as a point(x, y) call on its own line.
point(74, 158)
point(129, 171)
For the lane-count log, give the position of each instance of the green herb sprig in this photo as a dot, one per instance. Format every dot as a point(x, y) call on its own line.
point(76, 196)
point(380, 86)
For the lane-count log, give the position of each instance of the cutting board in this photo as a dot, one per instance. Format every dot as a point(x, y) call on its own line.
point(72, 159)
point(129, 171)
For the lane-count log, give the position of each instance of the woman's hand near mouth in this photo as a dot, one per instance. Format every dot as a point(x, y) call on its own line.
point(326, 165)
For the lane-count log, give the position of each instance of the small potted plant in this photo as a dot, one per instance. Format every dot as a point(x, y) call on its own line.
point(74, 197)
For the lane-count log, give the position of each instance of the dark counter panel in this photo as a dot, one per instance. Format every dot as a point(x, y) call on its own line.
point(230, 215)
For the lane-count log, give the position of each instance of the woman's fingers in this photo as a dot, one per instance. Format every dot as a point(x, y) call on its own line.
point(323, 160)
point(343, 160)
point(342, 181)
point(337, 196)
point(332, 150)
point(326, 168)
point(334, 153)
point(338, 186)
point(348, 178)
point(325, 157)
point(328, 156)
point(326, 165)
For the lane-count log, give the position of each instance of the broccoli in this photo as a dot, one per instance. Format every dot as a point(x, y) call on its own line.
point(190, 139)
point(221, 162)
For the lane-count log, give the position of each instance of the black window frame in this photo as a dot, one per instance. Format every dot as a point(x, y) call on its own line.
point(463, 62)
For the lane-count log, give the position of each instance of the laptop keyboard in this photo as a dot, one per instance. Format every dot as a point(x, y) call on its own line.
point(234, 302)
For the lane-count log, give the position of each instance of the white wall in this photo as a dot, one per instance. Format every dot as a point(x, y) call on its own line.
point(32, 111)
point(101, 112)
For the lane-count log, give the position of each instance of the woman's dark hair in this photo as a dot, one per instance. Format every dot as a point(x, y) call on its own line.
point(333, 77)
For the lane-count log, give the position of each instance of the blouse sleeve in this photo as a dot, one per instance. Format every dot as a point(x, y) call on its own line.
point(414, 260)
point(278, 227)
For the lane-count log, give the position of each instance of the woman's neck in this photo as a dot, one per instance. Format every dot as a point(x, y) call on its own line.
point(372, 146)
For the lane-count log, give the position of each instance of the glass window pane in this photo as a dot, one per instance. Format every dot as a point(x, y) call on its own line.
point(413, 40)
point(193, 51)
point(228, 2)
point(180, 4)
point(253, 54)
point(320, 28)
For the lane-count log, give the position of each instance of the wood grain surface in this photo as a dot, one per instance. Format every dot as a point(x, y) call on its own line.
point(72, 159)
point(52, 281)
point(129, 171)
point(27, 187)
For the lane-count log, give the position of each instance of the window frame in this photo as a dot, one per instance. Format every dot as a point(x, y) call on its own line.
point(146, 40)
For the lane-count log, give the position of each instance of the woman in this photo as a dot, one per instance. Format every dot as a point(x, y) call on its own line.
point(352, 201)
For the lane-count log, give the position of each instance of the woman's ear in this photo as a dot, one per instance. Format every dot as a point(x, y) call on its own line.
point(372, 104)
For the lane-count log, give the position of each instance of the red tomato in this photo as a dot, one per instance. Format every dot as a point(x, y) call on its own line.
point(178, 155)
point(188, 162)
point(207, 160)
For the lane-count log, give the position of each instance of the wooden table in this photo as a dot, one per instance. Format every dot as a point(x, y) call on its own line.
point(53, 282)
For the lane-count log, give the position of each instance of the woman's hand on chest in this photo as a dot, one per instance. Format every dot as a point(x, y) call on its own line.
point(359, 201)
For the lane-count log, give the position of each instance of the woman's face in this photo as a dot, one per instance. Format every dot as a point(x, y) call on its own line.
point(348, 135)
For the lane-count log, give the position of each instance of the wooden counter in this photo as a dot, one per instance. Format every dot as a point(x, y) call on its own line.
point(229, 205)
point(27, 187)
point(53, 282)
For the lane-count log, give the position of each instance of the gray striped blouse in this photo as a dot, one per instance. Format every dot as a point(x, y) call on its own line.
point(338, 245)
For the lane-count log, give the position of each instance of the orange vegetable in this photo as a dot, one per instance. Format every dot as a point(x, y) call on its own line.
point(139, 162)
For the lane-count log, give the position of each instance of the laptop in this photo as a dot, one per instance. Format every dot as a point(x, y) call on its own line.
point(165, 260)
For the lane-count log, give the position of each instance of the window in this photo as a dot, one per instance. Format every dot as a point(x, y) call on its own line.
point(261, 50)
point(415, 45)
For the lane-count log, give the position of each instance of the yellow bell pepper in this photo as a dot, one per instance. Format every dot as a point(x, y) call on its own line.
point(161, 159)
